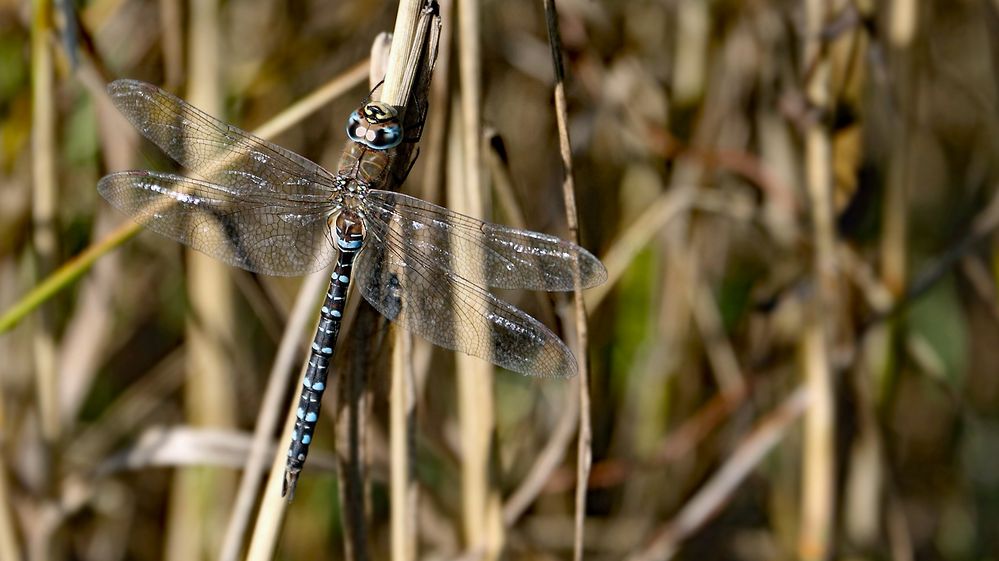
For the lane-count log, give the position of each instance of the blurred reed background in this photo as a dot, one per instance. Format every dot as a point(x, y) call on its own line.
point(794, 357)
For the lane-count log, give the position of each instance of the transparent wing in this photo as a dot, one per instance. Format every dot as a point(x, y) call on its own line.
point(217, 151)
point(260, 234)
point(404, 282)
point(484, 253)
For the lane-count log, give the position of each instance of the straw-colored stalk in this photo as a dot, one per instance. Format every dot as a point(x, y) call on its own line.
point(9, 546)
point(903, 17)
point(267, 527)
point(43, 211)
point(402, 58)
point(481, 510)
point(693, 31)
point(584, 445)
point(171, 32)
point(818, 450)
point(403, 490)
point(198, 494)
point(402, 41)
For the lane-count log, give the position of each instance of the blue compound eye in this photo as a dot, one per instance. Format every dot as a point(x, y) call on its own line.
point(385, 137)
point(376, 126)
point(354, 125)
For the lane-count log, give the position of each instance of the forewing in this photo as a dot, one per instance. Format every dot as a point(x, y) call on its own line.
point(261, 235)
point(217, 151)
point(406, 284)
point(485, 253)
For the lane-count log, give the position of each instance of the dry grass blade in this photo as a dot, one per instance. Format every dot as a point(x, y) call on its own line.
point(584, 451)
point(182, 445)
point(43, 211)
point(417, 32)
point(402, 456)
point(818, 451)
point(902, 21)
point(403, 38)
point(199, 493)
point(9, 543)
point(480, 501)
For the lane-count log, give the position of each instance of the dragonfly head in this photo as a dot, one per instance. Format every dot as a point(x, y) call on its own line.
point(375, 125)
point(348, 230)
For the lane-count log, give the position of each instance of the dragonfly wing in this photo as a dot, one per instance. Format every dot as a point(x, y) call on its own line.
point(260, 234)
point(485, 253)
point(218, 151)
point(405, 283)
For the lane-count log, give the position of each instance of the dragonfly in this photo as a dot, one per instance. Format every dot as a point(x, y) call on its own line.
point(268, 210)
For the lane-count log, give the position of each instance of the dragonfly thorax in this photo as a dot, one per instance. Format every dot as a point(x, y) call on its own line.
point(348, 230)
point(350, 193)
point(376, 125)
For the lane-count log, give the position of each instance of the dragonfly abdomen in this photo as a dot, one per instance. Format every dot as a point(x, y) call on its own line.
point(349, 237)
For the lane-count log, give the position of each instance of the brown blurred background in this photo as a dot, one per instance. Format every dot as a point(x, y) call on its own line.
point(794, 357)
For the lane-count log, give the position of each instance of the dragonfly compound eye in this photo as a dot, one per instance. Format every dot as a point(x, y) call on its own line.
point(376, 125)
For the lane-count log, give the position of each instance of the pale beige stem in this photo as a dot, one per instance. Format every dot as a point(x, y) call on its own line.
point(402, 41)
point(584, 447)
point(408, 42)
point(197, 496)
point(818, 449)
point(402, 489)
point(9, 542)
point(475, 376)
point(43, 211)
point(903, 16)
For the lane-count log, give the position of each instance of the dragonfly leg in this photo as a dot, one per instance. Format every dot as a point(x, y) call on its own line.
point(411, 165)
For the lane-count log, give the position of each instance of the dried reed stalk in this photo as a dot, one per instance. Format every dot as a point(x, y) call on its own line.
point(198, 494)
point(44, 193)
point(481, 511)
point(818, 450)
point(584, 448)
point(265, 534)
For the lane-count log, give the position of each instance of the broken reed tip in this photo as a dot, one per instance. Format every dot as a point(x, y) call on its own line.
point(289, 483)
